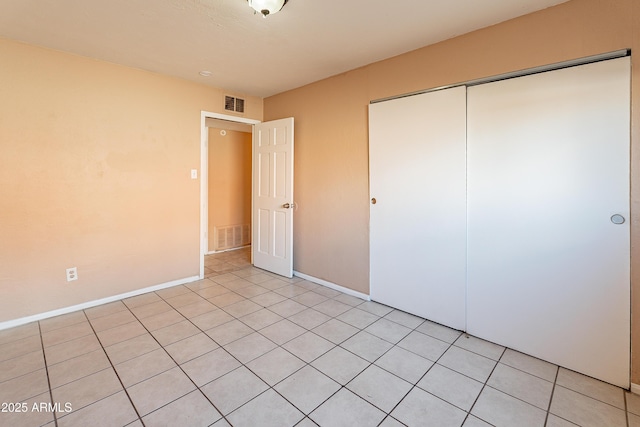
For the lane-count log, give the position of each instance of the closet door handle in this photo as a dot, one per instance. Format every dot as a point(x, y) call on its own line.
point(617, 219)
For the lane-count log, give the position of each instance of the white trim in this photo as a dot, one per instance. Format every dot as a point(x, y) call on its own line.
point(635, 388)
point(204, 188)
point(230, 118)
point(24, 320)
point(332, 286)
point(227, 250)
point(204, 175)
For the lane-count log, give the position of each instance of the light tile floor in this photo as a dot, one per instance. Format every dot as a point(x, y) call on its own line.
point(248, 348)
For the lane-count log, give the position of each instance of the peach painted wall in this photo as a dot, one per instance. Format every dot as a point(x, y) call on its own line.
point(331, 178)
point(229, 179)
point(95, 174)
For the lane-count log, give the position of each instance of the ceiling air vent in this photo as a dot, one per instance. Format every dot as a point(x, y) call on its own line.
point(233, 104)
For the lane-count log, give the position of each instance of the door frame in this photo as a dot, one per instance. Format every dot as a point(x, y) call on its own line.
point(204, 174)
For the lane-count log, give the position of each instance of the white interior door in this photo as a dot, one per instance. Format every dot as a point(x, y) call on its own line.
point(548, 167)
point(418, 223)
point(272, 211)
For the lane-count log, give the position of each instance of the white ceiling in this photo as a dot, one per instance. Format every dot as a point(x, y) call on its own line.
point(307, 41)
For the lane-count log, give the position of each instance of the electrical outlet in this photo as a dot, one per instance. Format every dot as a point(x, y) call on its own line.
point(72, 274)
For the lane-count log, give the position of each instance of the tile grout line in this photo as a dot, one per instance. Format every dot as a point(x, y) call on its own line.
point(114, 371)
point(334, 345)
point(306, 363)
point(127, 308)
point(428, 370)
point(270, 387)
point(553, 390)
point(394, 345)
point(547, 412)
point(555, 384)
point(176, 362)
point(497, 362)
point(626, 408)
point(360, 329)
point(387, 414)
point(413, 386)
point(46, 367)
point(219, 346)
point(591, 397)
point(280, 346)
point(450, 345)
point(516, 397)
point(485, 385)
point(529, 373)
point(241, 363)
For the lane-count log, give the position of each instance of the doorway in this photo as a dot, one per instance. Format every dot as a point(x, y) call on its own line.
point(271, 195)
point(229, 198)
point(225, 231)
point(229, 193)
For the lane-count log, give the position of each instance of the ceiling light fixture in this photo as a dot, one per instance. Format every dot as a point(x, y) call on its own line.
point(205, 73)
point(267, 7)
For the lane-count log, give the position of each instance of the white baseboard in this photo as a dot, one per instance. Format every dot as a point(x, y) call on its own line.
point(332, 286)
point(24, 320)
point(227, 250)
point(635, 388)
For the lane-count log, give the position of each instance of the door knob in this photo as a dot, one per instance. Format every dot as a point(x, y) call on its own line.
point(373, 201)
point(287, 206)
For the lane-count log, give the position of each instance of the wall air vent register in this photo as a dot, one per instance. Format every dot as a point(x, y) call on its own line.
point(232, 103)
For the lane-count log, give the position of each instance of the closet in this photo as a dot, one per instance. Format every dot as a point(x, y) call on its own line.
point(418, 222)
point(502, 209)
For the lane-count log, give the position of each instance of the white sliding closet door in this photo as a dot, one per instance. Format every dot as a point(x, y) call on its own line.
point(548, 168)
point(417, 178)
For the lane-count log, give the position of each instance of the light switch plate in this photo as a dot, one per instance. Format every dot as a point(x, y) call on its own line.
point(194, 173)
